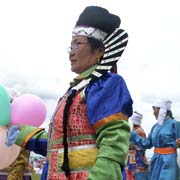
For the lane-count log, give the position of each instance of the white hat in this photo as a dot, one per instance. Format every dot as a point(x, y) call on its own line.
point(164, 105)
point(136, 118)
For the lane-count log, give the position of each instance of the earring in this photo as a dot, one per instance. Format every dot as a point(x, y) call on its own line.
point(98, 60)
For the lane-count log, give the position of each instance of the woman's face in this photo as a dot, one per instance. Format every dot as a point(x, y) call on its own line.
point(156, 111)
point(81, 55)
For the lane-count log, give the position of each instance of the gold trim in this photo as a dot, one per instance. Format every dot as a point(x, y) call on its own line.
point(30, 135)
point(117, 116)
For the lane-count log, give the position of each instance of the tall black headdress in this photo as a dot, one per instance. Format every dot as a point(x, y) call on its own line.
point(98, 23)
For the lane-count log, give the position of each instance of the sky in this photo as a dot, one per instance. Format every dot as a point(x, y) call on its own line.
point(34, 36)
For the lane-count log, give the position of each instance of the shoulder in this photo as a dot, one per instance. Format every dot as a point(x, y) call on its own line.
point(111, 92)
point(108, 81)
point(172, 121)
point(110, 84)
point(111, 77)
point(154, 126)
point(175, 122)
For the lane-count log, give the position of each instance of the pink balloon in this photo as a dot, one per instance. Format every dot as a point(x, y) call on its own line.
point(8, 154)
point(28, 109)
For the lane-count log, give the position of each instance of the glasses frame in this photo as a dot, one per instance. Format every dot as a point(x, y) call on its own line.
point(75, 45)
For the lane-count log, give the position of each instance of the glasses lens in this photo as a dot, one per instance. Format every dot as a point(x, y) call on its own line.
point(69, 49)
point(75, 46)
point(72, 47)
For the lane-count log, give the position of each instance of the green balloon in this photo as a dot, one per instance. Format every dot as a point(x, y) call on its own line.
point(4, 107)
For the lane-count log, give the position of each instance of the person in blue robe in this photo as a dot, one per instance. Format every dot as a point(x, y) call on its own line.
point(162, 137)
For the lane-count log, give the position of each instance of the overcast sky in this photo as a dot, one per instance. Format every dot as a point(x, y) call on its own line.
point(34, 36)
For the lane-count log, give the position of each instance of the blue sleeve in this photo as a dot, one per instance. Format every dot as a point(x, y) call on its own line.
point(144, 143)
point(107, 96)
point(33, 139)
point(38, 144)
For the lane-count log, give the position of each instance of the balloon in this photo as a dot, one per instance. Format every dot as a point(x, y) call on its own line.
point(7, 154)
point(28, 109)
point(4, 107)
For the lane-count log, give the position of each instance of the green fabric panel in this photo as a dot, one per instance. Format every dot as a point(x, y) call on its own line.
point(113, 141)
point(87, 72)
point(40, 135)
point(105, 169)
point(113, 144)
point(26, 131)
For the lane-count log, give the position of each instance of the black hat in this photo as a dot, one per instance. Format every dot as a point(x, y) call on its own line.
point(98, 17)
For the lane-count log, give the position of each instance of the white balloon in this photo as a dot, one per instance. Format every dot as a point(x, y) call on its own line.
point(7, 154)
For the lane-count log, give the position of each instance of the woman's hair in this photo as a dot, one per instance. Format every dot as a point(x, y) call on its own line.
point(169, 113)
point(65, 165)
point(95, 43)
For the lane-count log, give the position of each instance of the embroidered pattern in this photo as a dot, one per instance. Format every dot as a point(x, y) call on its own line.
point(80, 133)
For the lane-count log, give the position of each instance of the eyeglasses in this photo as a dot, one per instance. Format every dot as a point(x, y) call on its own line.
point(75, 45)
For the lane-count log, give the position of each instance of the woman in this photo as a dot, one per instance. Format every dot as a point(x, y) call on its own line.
point(162, 137)
point(89, 134)
point(137, 163)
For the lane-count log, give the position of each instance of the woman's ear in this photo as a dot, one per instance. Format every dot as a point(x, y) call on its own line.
point(100, 52)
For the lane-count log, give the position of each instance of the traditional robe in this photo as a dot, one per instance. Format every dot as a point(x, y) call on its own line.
point(97, 129)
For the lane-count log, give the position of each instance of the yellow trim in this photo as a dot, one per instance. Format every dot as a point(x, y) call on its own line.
point(30, 135)
point(117, 116)
point(79, 159)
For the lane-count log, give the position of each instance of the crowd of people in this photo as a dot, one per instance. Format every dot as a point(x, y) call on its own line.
point(164, 138)
point(89, 136)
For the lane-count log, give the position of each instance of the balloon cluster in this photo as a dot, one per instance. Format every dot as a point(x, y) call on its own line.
point(26, 109)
